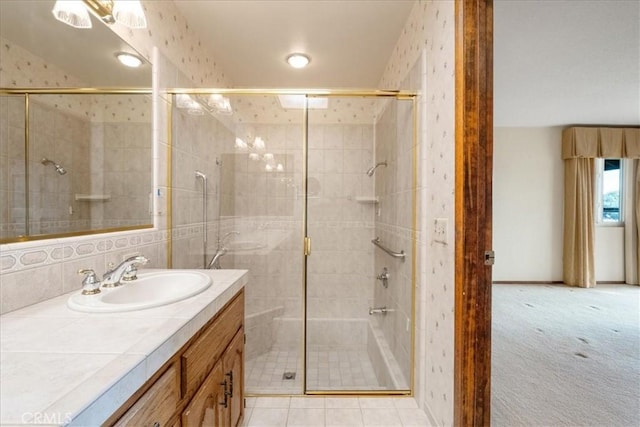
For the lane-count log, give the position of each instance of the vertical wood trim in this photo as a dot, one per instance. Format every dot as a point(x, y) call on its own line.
point(474, 156)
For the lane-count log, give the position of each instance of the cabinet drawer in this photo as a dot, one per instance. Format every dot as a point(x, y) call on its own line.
point(157, 405)
point(199, 358)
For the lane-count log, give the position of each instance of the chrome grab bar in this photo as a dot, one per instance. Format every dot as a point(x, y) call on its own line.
point(377, 242)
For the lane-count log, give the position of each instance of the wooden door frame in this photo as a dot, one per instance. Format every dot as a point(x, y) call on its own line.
point(473, 198)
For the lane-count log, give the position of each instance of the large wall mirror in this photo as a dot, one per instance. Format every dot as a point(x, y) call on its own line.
point(74, 159)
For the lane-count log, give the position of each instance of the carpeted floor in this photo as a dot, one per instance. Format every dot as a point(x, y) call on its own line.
point(565, 356)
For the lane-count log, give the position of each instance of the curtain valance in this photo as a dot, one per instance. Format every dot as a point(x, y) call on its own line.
point(601, 142)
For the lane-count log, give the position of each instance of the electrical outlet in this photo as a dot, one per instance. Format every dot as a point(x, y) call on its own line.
point(440, 230)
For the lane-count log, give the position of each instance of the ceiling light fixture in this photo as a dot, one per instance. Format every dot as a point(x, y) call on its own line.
point(125, 12)
point(129, 59)
point(298, 60)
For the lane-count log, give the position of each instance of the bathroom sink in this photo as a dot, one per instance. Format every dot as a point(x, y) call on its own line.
point(151, 289)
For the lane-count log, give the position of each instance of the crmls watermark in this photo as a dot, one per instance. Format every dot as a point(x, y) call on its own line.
point(46, 417)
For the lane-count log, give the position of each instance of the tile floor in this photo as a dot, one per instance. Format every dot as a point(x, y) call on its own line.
point(326, 370)
point(333, 412)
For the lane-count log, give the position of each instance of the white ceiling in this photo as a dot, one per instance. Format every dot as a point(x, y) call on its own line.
point(557, 62)
point(562, 62)
point(349, 42)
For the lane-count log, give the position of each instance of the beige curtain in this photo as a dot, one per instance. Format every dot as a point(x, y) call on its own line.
point(637, 203)
point(631, 236)
point(579, 224)
point(580, 146)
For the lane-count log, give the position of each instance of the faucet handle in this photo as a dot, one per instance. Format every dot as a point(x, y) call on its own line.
point(90, 283)
point(131, 273)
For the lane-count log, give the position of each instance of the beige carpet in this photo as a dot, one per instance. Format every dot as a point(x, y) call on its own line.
point(565, 356)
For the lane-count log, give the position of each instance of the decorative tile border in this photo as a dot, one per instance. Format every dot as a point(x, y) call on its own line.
point(28, 255)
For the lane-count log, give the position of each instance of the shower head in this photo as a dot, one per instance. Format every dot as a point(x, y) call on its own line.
point(201, 175)
point(59, 168)
point(372, 170)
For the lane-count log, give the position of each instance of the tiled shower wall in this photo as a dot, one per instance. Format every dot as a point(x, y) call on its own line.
point(268, 215)
point(199, 142)
point(424, 60)
point(52, 135)
point(99, 158)
point(340, 269)
point(394, 226)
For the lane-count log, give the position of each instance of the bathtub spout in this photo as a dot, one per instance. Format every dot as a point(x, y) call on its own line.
point(375, 310)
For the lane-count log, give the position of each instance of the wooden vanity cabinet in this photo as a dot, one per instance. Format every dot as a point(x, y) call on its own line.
point(232, 362)
point(206, 409)
point(219, 401)
point(156, 406)
point(201, 385)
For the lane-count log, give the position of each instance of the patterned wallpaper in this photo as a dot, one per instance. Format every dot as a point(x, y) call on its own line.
point(20, 68)
point(428, 41)
point(267, 109)
point(169, 31)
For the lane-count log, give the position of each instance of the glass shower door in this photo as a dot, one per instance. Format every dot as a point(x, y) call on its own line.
point(359, 188)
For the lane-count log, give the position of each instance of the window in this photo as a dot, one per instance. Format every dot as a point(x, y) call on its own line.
point(609, 178)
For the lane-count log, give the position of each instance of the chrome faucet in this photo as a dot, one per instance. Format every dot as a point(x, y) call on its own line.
point(221, 251)
point(113, 277)
point(90, 283)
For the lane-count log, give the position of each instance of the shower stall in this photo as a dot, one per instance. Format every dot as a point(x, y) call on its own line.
point(315, 195)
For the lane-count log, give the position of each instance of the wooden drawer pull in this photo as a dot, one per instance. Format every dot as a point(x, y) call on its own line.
point(230, 375)
point(225, 402)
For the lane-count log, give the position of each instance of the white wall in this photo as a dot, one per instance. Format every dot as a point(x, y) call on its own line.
point(609, 254)
point(528, 186)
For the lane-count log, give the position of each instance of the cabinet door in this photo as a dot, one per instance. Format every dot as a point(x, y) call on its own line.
point(208, 406)
point(233, 362)
point(157, 406)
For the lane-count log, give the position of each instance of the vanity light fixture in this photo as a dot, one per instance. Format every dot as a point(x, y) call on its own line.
point(219, 103)
point(258, 144)
point(185, 102)
point(74, 12)
point(129, 59)
point(128, 13)
point(241, 145)
point(298, 60)
point(268, 157)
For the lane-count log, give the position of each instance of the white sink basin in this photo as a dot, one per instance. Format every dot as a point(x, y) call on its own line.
point(151, 289)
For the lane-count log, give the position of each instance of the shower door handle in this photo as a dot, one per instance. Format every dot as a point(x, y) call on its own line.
point(307, 246)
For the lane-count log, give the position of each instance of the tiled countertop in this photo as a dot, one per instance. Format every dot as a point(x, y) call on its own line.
point(63, 367)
